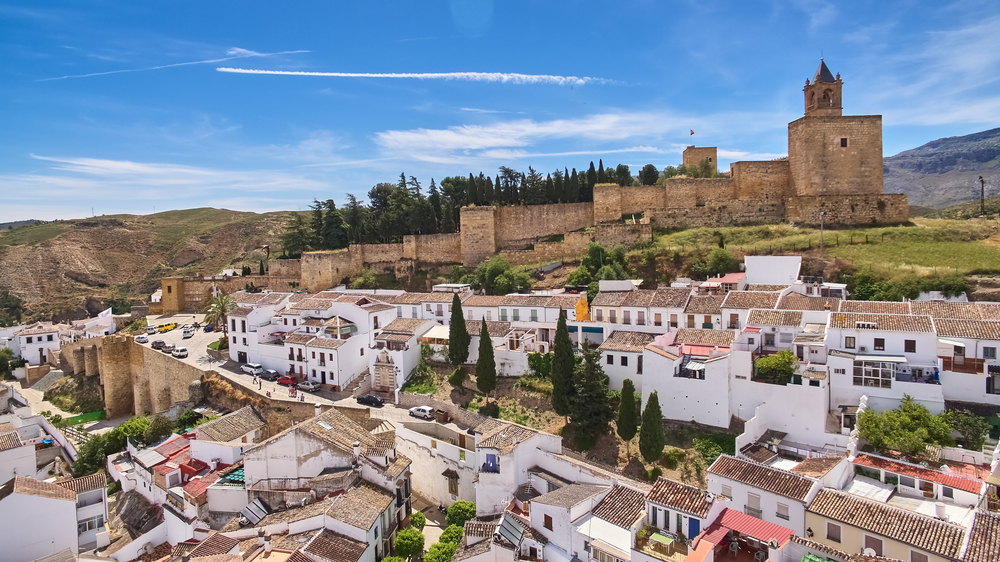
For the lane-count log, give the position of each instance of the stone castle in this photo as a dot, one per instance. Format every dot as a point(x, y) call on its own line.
point(832, 174)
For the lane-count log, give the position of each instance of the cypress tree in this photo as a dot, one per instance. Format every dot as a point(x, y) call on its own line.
point(471, 191)
point(628, 418)
point(651, 440)
point(458, 334)
point(261, 267)
point(601, 175)
point(447, 217)
point(550, 190)
point(591, 410)
point(498, 191)
point(574, 187)
point(486, 366)
point(591, 174)
point(563, 363)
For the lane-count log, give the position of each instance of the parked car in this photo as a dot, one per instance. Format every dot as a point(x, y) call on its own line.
point(188, 332)
point(252, 369)
point(287, 380)
point(370, 400)
point(168, 348)
point(180, 352)
point(425, 412)
point(167, 327)
point(141, 338)
point(150, 330)
point(209, 328)
point(309, 386)
point(157, 344)
point(270, 375)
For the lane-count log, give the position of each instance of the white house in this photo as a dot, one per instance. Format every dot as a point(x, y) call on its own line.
point(555, 515)
point(37, 340)
point(772, 270)
point(36, 519)
point(692, 381)
point(622, 357)
point(680, 509)
point(737, 305)
point(91, 508)
point(17, 458)
point(703, 311)
point(444, 460)
point(396, 352)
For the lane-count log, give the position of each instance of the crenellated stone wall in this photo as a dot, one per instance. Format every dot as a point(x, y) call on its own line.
point(517, 226)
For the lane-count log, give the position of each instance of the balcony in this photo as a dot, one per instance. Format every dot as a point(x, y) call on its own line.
point(753, 511)
point(960, 364)
point(734, 325)
point(322, 363)
point(782, 516)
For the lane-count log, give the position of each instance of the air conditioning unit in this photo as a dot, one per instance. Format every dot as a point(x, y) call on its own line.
point(863, 348)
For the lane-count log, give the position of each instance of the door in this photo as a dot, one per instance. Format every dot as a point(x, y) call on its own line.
point(769, 340)
point(241, 356)
point(800, 353)
point(694, 527)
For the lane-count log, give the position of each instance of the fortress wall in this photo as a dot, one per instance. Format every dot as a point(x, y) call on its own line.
point(478, 236)
point(693, 155)
point(377, 252)
point(322, 270)
point(688, 192)
point(821, 166)
point(608, 202)
point(762, 180)
point(434, 248)
point(168, 379)
point(117, 365)
point(612, 201)
point(845, 210)
point(284, 268)
point(571, 248)
point(611, 235)
point(717, 214)
point(518, 226)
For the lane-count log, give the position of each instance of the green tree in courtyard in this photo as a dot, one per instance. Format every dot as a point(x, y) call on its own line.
point(651, 439)
point(486, 366)
point(409, 543)
point(563, 363)
point(628, 418)
point(217, 310)
point(458, 334)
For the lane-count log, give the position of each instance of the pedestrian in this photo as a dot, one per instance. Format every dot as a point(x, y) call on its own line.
point(302, 397)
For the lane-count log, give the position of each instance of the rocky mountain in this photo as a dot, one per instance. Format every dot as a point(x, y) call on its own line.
point(64, 269)
point(946, 171)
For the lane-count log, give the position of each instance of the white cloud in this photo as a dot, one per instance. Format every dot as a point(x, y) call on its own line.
point(234, 53)
point(502, 77)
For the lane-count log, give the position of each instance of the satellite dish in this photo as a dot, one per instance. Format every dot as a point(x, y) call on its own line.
point(773, 543)
point(868, 552)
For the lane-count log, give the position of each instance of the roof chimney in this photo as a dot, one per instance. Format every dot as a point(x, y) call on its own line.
point(260, 537)
point(267, 544)
point(939, 511)
point(318, 410)
point(357, 450)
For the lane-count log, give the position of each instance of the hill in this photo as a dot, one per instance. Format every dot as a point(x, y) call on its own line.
point(15, 224)
point(945, 172)
point(65, 267)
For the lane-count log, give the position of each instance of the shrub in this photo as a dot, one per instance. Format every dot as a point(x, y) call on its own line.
point(418, 520)
point(491, 410)
point(457, 377)
point(409, 543)
point(460, 512)
point(452, 534)
point(441, 552)
point(707, 448)
point(653, 473)
point(671, 457)
point(540, 364)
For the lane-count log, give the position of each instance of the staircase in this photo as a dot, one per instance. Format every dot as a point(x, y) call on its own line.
point(354, 385)
point(45, 382)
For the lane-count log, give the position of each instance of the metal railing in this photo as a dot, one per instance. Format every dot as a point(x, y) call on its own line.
point(753, 511)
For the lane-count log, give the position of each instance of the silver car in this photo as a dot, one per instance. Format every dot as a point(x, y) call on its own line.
point(425, 412)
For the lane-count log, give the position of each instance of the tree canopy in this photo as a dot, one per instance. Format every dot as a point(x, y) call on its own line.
point(908, 429)
point(628, 417)
point(591, 412)
point(460, 512)
point(563, 364)
point(777, 368)
point(486, 366)
point(458, 334)
point(651, 438)
point(409, 543)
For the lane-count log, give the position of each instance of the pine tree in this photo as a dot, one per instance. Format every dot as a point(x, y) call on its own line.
point(601, 175)
point(434, 196)
point(591, 410)
point(563, 363)
point(486, 366)
point(651, 440)
point(447, 217)
point(628, 419)
point(458, 334)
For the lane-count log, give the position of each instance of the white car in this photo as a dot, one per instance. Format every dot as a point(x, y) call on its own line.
point(252, 369)
point(141, 338)
point(180, 352)
point(425, 412)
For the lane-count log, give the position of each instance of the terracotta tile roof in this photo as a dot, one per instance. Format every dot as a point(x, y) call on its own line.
point(875, 307)
point(894, 523)
point(336, 547)
point(404, 325)
point(38, 328)
point(483, 300)
point(10, 440)
point(311, 322)
point(569, 496)
point(84, 483)
point(975, 329)
point(775, 317)
point(622, 506)
point(934, 309)
point(377, 307)
point(984, 538)
point(781, 482)
point(243, 297)
point(326, 343)
point(477, 549)
point(729, 278)
point(300, 339)
point(766, 287)
point(563, 301)
point(795, 301)
point(818, 546)
point(273, 298)
point(502, 435)
point(638, 298)
point(952, 480)
point(398, 466)
point(480, 529)
point(241, 312)
point(217, 543)
point(884, 322)
point(707, 304)
point(361, 506)
point(231, 426)
point(988, 311)
point(525, 300)
point(32, 487)
point(405, 298)
point(610, 298)
point(198, 486)
point(620, 340)
point(816, 467)
point(758, 453)
point(494, 329)
point(680, 497)
point(751, 299)
point(722, 338)
point(660, 351)
point(670, 297)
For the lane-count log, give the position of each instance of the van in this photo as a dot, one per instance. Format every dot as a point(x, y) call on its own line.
point(150, 330)
point(188, 332)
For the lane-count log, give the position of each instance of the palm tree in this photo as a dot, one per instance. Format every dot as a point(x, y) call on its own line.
point(217, 309)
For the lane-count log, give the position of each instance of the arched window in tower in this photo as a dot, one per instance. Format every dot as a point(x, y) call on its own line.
point(812, 100)
point(828, 98)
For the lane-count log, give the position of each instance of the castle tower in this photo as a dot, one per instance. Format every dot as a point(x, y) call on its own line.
point(823, 95)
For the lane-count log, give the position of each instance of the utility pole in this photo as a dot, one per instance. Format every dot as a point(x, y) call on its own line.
point(982, 196)
point(821, 215)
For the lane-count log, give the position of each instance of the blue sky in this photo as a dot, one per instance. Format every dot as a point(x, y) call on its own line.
point(127, 107)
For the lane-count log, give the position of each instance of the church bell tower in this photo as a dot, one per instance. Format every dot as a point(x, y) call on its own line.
point(823, 95)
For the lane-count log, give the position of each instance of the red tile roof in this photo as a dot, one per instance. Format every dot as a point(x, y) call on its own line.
point(622, 506)
point(680, 497)
point(966, 484)
point(773, 480)
point(746, 525)
point(215, 544)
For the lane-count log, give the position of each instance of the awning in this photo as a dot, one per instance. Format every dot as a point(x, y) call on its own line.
point(754, 330)
point(882, 358)
point(951, 342)
point(695, 366)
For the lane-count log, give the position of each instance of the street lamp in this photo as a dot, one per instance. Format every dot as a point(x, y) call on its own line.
point(982, 196)
point(821, 215)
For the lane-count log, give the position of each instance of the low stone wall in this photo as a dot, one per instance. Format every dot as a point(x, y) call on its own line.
point(34, 373)
point(457, 413)
point(729, 213)
point(573, 246)
point(279, 413)
point(848, 210)
point(628, 235)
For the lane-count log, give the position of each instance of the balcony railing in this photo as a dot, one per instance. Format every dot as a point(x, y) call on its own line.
point(734, 325)
point(959, 364)
point(782, 516)
point(753, 511)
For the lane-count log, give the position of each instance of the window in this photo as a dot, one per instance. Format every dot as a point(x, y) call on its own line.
point(849, 342)
point(428, 307)
point(626, 317)
point(917, 556)
point(624, 361)
point(600, 315)
point(534, 315)
point(29, 339)
point(243, 325)
point(434, 444)
point(234, 339)
point(489, 315)
point(48, 338)
point(413, 312)
point(876, 374)
point(782, 512)
point(399, 312)
point(602, 556)
point(785, 337)
point(170, 289)
point(453, 486)
point(879, 344)
point(503, 314)
point(613, 316)
point(89, 524)
point(832, 532)
point(295, 321)
point(244, 341)
point(362, 351)
point(640, 318)
point(611, 359)
point(874, 544)
point(691, 321)
point(548, 522)
point(948, 492)
point(673, 320)
point(989, 353)
point(638, 365)
point(234, 324)
point(727, 491)
point(909, 346)
point(516, 314)
point(314, 355)
point(843, 143)
point(461, 455)
point(840, 371)
point(657, 319)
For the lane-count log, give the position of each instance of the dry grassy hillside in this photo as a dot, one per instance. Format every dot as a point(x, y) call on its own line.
point(66, 266)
